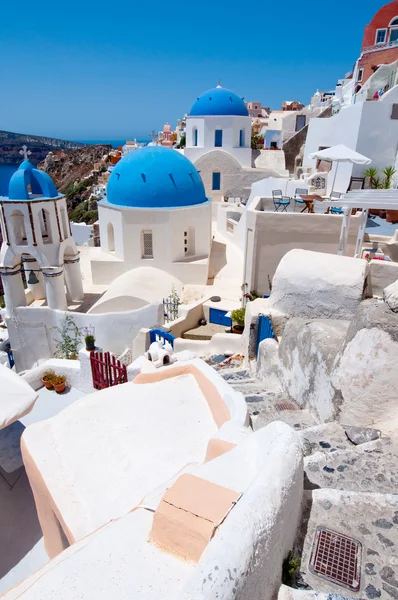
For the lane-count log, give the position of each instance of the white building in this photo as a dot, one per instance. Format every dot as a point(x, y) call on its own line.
point(37, 238)
point(370, 128)
point(156, 214)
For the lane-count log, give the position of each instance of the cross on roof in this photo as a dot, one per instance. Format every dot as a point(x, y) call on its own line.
point(25, 152)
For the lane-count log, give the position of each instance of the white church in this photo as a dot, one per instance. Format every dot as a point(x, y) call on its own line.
point(218, 142)
point(37, 240)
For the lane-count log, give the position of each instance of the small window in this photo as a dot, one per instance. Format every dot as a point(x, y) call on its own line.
point(216, 184)
point(242, 138)
point(218, 138)
point(360, 75)
point(147, 244)
point(394, 34)
point(381, 36)
point(195, 137)
point(300, 122)
point(394, 22)
point(394, 113)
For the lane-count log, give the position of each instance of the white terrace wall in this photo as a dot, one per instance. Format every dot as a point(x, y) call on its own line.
point(33, 337)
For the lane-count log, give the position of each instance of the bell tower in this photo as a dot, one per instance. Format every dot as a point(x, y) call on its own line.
point(37, 239)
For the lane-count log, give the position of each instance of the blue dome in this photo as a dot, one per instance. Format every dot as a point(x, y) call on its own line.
point(155, 177)
point(219, 101)
point(40, 184)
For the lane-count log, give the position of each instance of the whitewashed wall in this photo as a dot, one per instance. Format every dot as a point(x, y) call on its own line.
point(33, 338)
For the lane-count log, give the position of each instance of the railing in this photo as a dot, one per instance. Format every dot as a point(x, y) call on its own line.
point(157, 334)
point(376, 47)
point(106, 370)
point(170, 309)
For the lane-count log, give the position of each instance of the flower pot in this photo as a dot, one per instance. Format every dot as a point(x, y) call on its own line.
point(60, 388)
point(47, 384)
point(90, 346)
point(237, 329)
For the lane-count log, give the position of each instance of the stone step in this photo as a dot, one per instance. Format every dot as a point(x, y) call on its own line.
point(370, 467)
point(288, 593)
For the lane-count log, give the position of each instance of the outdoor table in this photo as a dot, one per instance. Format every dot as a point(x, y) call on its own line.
point(309, 200)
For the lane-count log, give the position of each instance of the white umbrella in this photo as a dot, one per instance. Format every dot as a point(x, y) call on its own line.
point(17, 397)
point(340, 154)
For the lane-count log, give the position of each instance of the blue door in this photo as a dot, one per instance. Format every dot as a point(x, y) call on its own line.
point(265, 330)
point(218, 317)
point(216, 183)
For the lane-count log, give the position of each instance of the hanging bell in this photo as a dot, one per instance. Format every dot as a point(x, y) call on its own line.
point(32, 278)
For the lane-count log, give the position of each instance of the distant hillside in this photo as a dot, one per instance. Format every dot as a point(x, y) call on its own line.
point(11, 144)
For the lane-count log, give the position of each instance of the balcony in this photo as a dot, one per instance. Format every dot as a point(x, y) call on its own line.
point(378, 47)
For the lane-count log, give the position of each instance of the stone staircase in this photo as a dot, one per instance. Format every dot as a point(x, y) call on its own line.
point(350, 487)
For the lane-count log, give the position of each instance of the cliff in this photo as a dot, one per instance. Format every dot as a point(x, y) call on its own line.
point(75, 174)
point(11, 143)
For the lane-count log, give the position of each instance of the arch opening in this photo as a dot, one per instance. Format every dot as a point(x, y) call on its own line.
point(18, 229)
point(111, 237)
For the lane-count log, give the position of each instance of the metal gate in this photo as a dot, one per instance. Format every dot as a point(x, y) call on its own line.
point(265, 330)
point(106, 370)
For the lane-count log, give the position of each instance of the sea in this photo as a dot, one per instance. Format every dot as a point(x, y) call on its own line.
point(7, 170)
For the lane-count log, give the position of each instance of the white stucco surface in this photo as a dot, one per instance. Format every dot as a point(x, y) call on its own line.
point(317, 285)
point(103, 454)
point(367, 377)
point(115, 562)
point(243, 559)
point(137, 288)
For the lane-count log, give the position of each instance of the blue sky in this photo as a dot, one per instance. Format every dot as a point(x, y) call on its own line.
point(98, 70)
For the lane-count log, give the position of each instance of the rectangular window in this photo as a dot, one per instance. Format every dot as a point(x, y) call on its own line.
point(195, 137)
point(218, 138)
point(360, 75)
point(300, 122)
point(381, 36)
point(216, 181)
point(147, 244)
point(242, 138)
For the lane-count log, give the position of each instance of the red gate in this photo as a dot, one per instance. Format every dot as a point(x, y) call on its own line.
point(106, 370)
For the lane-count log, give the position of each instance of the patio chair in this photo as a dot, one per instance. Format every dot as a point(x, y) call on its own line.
point(336, 210)
point(297, 199)
point(280, 201)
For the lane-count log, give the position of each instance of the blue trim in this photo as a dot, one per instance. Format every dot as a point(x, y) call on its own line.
point(155, 334)
point(218, 138)
point(265, 331)
point(218, 317)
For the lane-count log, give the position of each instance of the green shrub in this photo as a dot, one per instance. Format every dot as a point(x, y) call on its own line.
point(238, 316)
point(290, 567)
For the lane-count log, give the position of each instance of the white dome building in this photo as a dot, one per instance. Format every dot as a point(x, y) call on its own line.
point(155, 214)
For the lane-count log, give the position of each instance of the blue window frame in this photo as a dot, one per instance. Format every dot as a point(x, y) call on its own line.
point(195, 137)
point(218, 138)
point(216, 184)
point(242, 138)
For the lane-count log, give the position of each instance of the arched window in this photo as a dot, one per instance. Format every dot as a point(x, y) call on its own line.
point(195, 136)
point(65, 226)
point(216, 181)
point(18, 228)
point(394, 30)
point(111, 237)
point(45, 225)
point(218, 138)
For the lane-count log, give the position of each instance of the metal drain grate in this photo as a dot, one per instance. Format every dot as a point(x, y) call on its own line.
point(280, 406)
point(337, 558)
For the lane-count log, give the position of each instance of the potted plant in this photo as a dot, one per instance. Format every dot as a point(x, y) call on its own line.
point(89, 338)
point(238, 317)
point(59, 383)
point(47, 379)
